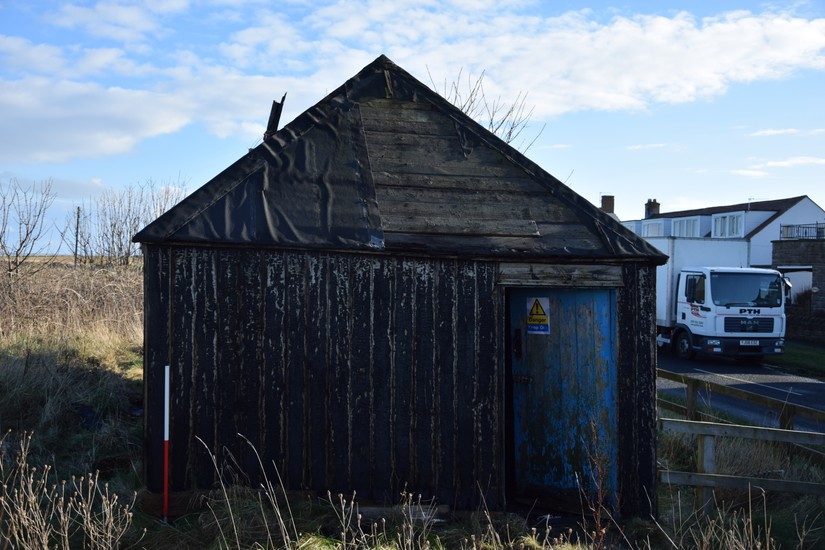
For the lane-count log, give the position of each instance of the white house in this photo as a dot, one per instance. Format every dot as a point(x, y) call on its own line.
point(756, 224)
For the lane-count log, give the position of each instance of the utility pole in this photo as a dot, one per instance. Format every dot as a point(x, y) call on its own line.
point(76, 235)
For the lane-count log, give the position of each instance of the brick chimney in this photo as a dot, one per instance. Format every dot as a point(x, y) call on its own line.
point(608, 203)
point(651, 208)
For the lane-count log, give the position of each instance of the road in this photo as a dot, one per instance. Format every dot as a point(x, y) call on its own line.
point(762, 379)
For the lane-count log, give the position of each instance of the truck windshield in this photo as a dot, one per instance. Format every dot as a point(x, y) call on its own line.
point(746, 289)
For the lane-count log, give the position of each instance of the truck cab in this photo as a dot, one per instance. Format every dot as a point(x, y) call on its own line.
point(729, 311)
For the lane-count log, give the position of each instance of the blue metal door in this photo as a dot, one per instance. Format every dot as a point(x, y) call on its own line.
point(564, 392)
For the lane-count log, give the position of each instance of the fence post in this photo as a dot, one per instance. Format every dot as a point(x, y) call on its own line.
point(705, 464)
point(690, 400)
point(786, 414)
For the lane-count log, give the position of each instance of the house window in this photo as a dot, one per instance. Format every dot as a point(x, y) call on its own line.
point(686, 227)
point(728, 226)
point(654, 229)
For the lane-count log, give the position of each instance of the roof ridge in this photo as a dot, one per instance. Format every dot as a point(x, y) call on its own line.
point(770, 204)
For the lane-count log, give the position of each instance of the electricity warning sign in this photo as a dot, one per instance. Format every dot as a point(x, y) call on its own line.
point(537, 321)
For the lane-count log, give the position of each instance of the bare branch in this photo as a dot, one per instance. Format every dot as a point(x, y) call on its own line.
point(506, 120)
point(101, 229)
point(23, 232)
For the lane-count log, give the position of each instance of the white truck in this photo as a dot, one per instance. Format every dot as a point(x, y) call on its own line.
point(718, 307)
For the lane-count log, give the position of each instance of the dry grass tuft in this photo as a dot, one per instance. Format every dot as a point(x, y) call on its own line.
point(742, 519)
point(62, 303)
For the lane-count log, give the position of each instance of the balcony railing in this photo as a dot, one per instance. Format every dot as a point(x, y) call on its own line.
point(802, 231)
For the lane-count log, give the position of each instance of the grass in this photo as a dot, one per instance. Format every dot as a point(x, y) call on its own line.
point(779, 520)
point(71, 387)
point(84, 411)
point(801, 358)
point(71, 368)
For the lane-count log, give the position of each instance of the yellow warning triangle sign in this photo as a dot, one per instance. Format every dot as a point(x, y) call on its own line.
point(537, 309)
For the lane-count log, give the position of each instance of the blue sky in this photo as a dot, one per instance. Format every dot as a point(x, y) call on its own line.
point(691, 103)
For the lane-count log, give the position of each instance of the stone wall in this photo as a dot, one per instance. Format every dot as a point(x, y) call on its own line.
point(805, 252)
point(806, 320)
point(804, 326)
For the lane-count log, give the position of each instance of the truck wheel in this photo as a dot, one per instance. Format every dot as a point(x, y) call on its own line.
point(682, 346)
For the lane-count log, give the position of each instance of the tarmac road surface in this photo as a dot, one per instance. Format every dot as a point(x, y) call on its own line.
point(761, 379)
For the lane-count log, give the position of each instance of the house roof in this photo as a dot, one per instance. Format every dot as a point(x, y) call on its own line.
point(384, 163)
point(777, 206)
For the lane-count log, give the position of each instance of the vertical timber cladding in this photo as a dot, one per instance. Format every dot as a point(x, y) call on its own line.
point(636, 311)
point(346, 372)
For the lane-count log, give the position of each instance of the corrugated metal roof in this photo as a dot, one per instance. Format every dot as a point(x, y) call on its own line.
point(385, 163)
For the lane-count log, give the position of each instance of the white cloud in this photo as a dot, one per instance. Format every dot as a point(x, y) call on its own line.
point(72, 62)
point(55, 121)
point(645, 146)
point(256, 52)
point(774, 132)
point(271, 40)
point(625, 63)
point(749, 173)
point(107, 19)
point(791, 162)
point(22, 55)
point(167, 6)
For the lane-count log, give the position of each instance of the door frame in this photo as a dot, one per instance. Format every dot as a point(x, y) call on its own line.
point(510, 473)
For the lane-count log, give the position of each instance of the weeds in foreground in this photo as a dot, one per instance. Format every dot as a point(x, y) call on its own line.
point(731, 528)
point(37, 512)
point(740, 518)
point(416, 524)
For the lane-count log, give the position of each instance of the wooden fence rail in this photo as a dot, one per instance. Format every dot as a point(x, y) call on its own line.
point(787, 411)
point(706, 477)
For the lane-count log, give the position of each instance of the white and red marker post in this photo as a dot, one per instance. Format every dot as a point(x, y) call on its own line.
point(166, 405)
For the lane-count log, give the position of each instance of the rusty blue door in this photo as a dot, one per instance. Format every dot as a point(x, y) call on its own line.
point(564, 392)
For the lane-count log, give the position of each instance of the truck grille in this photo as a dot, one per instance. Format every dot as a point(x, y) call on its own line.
point(743, 324)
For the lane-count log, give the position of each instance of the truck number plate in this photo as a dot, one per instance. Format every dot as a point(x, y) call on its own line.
point(748, 342)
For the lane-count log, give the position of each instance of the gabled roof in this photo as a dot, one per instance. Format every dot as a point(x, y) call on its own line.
point(777, 206)
point(385, 163)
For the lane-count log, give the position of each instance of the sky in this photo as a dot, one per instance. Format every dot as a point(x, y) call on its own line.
point(693, 104)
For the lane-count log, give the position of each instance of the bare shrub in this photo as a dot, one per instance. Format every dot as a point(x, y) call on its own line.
point(100, 231)
point(23, 234)
point(37, 512)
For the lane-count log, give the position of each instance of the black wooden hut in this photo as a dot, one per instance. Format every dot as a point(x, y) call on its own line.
point(384, 295)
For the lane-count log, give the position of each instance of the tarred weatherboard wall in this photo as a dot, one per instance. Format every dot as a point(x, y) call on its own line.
point(361, 372)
